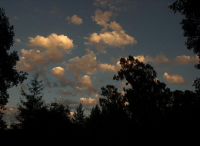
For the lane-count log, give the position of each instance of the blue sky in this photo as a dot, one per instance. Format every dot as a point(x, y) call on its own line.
point(75, 45)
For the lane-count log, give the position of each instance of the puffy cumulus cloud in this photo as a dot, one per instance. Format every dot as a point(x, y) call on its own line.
point(111, 68)
point(107, 67)
point(174, 79)
point(88, 101)
point(59, 72)
point(86, 81)
point(115, 26)
point(31, 59)
point(102, 17)
point(112, 39)
point(117, 37)
point(53, 44)
point(86, 63)
point(185, 59)
point(117, 5)
point(74, 19)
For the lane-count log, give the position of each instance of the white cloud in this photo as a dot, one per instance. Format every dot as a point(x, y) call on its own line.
point(59, 72)
point(86, 63)
point(117, 37)
point(174, 79)
point(74, 19)
point(102, 18)
point(88, 101)
point(31, 59)
point(112, 39)
point(185, 59)
point(54, 45)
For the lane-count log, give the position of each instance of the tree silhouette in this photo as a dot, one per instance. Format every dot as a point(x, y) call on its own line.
point(9, 76)
point(79, 116)
point(32, 106)
point(148, 97)
point(191, 26)
point(58, 116)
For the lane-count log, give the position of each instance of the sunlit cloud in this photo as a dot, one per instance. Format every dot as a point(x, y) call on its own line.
point(111, 39)
point(31, 59)
point(88, 101)
point(74, 19)
point(86, 63)
point(18, 40)
point(117, 37)
point(174, 79)
point(54, 45)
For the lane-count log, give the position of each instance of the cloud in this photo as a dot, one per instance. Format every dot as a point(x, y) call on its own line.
point(86, 63)
point(102, 17)
point(59, 72)
point(117, 5)
point(74, 19)
point(18, 40)
point(111, 39)
point(31, 59)
point(54, 45)
point(163, 59)
point(88, 101)
point(9, 115)
point(174, 79)
point(111, 68)
point(185, 59)
point(117, 37)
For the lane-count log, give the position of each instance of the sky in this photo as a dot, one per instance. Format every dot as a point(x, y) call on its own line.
point(76, 45)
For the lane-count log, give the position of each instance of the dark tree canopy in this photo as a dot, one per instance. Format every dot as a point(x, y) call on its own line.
point(32, 104)
point(9, 76)
point(147, 97)
point(190, 24)
point(79, 116)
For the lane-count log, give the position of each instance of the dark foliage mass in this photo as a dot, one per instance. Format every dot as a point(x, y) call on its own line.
point(145, 109)
point(9, 76)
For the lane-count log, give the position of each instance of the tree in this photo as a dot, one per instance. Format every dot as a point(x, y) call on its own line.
point(9, 76)
point(191, 22)
point(58, 116)
point(191, 26)
point(147, 97)
point(32, 107)
point(79, 116)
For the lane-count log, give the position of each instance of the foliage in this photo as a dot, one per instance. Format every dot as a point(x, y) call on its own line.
point(9, 76)
point(31, 108)
point(79, 116)
point(148, 97)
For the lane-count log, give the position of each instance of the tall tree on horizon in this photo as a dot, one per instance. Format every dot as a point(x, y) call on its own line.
point(191, 27)
point(31, 105)
point(9, 76)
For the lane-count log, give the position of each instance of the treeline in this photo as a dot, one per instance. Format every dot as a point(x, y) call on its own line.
point(146, 106)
